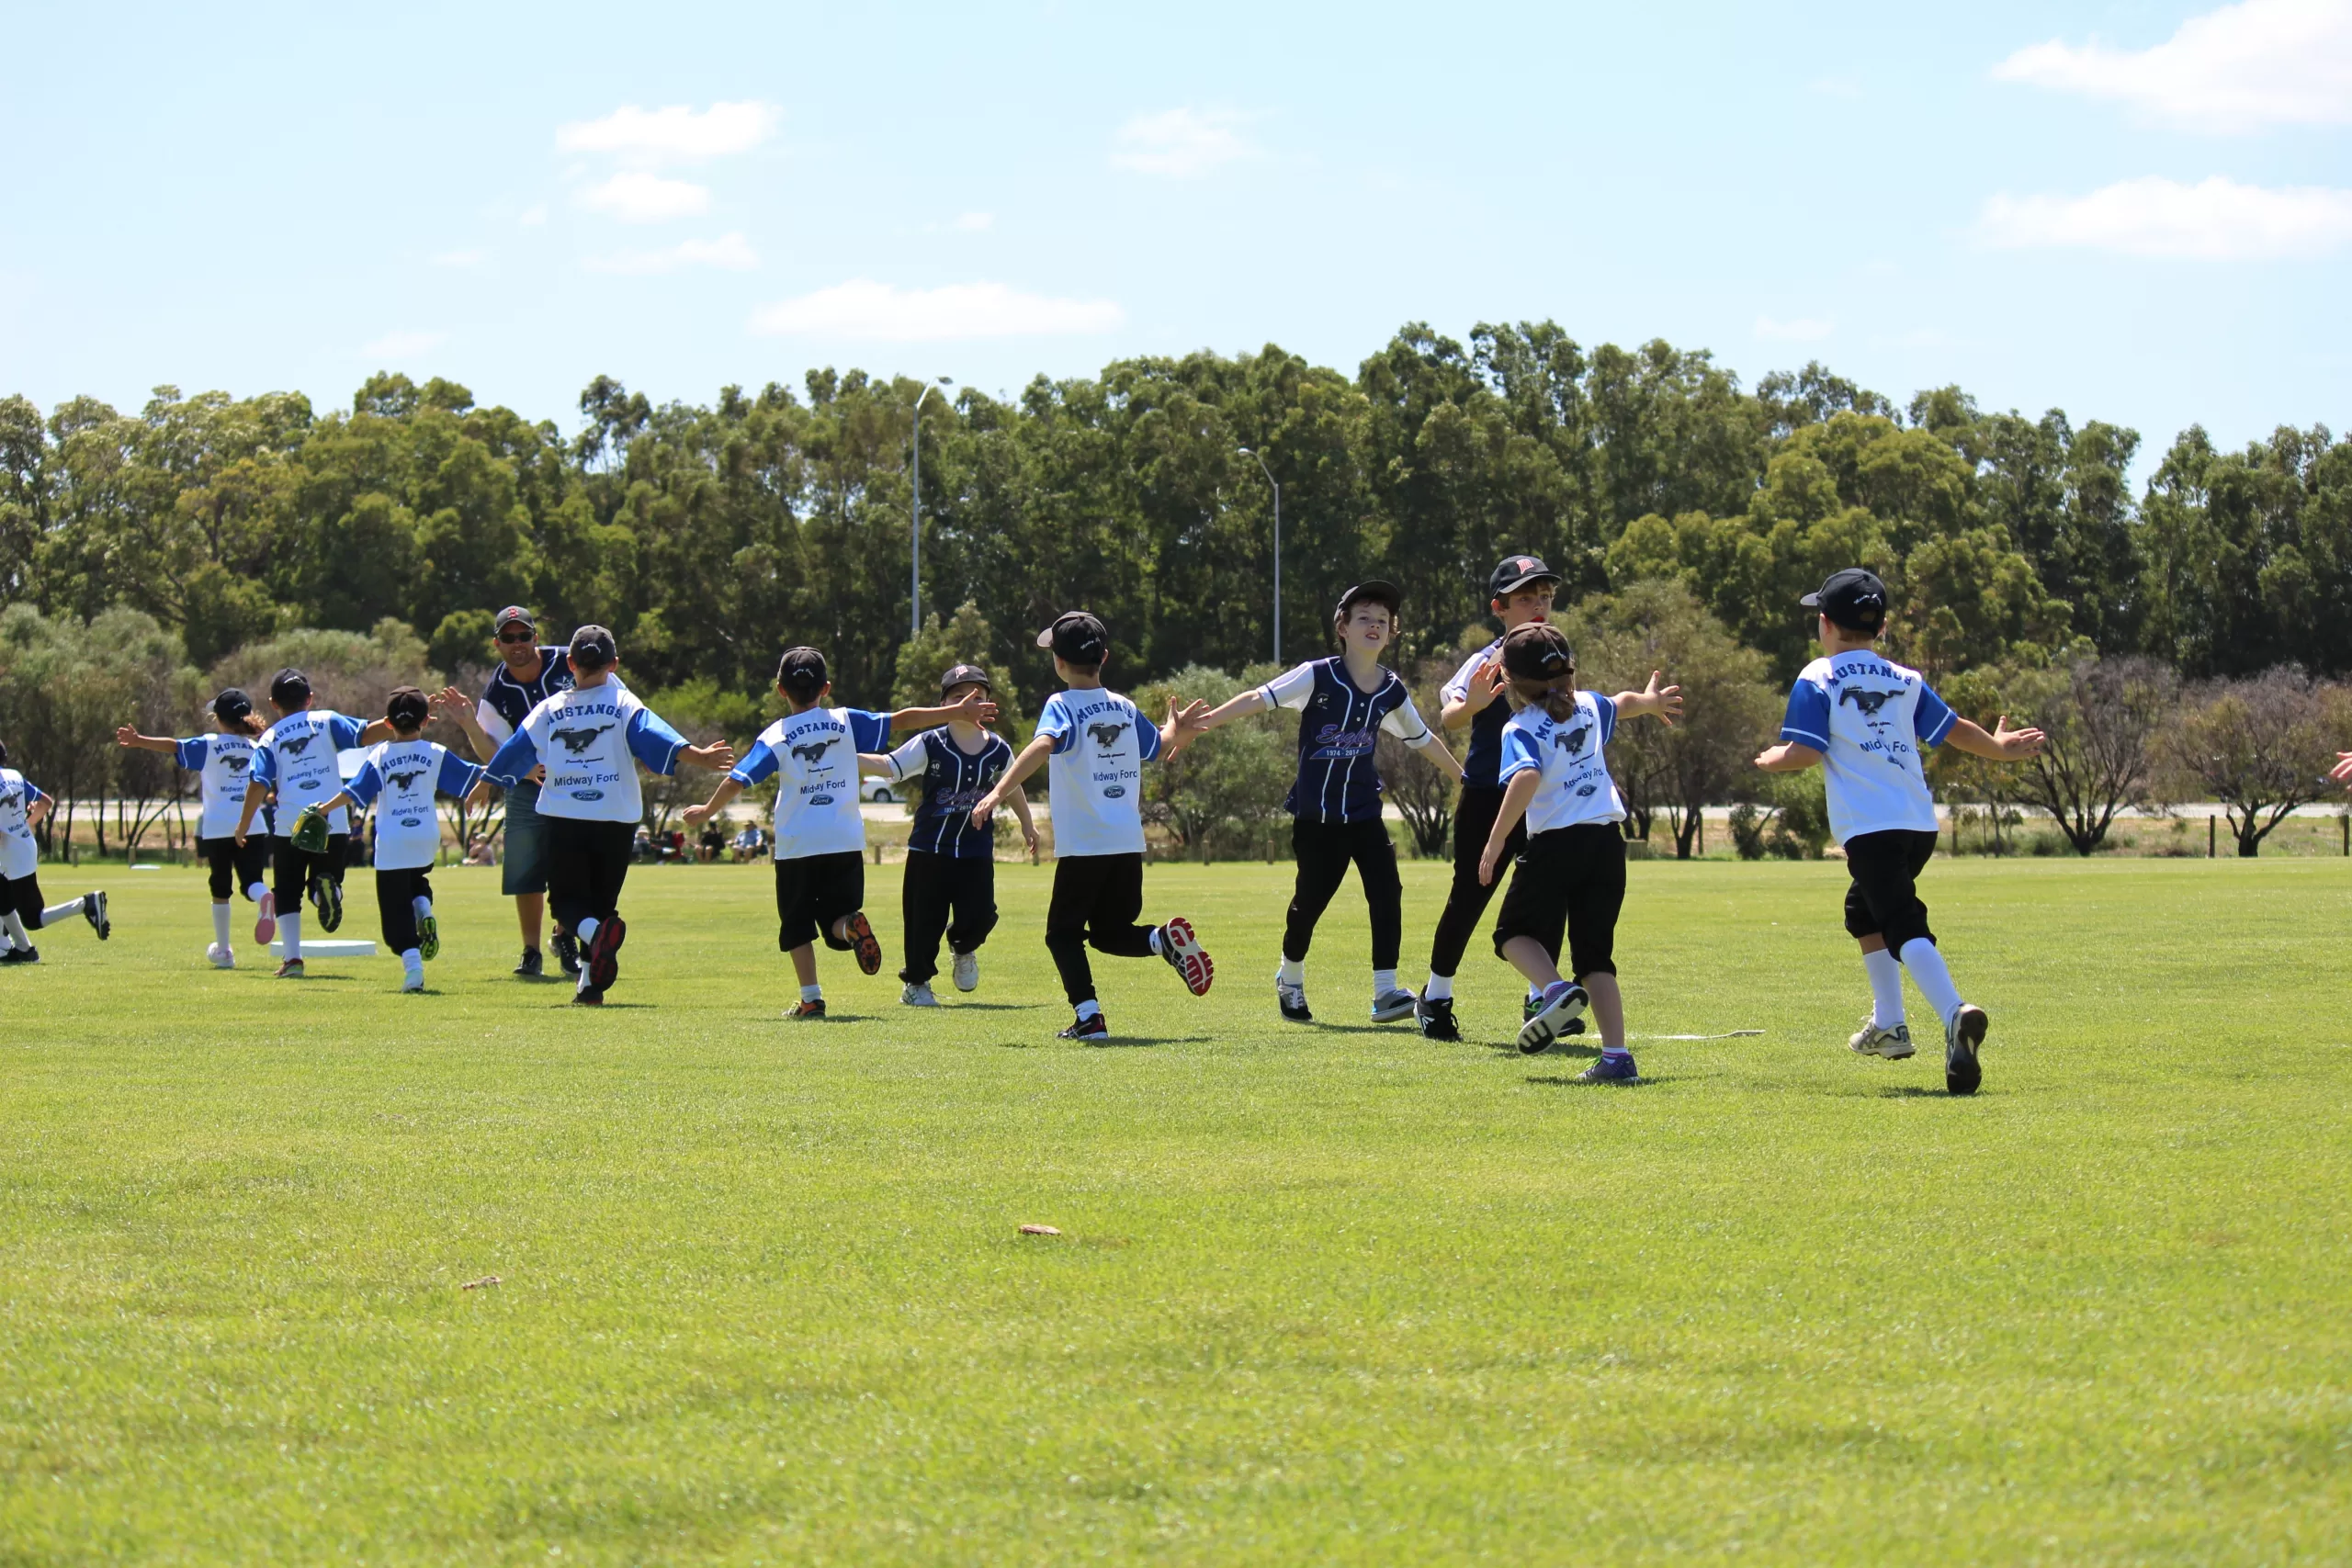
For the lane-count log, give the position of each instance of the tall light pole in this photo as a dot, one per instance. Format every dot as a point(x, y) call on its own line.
point(1245, 452)
point(914, 550)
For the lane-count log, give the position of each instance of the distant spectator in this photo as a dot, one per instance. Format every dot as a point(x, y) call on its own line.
point(642, 848)
point(713, 842)
point(479, 853)
point(749, 842)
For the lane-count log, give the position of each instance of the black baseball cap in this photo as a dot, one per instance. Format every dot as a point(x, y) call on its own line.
point(290, 688)
point(511, 614)
point(1538, 652)
point(407, 709)
point(801, 674)
point(965, 675)
point(593, 648)
point(231, 705)
point(1372, 592)
point(1515, 572)
point(1854, 599)
point(1077, 637)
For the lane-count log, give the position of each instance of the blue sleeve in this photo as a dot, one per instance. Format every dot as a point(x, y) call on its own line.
point(653, 742)
point(1807, 722)
point(758, 763)
point(1607, 708)
point(458, 775)
point(515, 760)
point(192, 753)
point(344, 730)
point(1521, 752)
point(264, 765)
point(868, 732)
point(365, 784)
point(1932, 719)
point(32, 794)
point(1054, 722)
point(1146, 736)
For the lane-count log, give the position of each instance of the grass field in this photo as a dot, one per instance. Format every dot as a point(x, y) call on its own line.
point(1328, 1293)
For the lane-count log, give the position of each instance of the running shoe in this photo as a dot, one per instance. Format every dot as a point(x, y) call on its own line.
point(266, 919)
point(326, 897)
point(917, 993)
point(860, 932)
point(1891, 1044)
point(1390, 1006)
point(222, 958)
point(567, 951)
point(94, 910)
point(412, 984)
point(1095, 1028)
point(21, 955)
point(603, 954)
point(1562, 999)
point(290, 970)
point(1435, 1017)
point(533, 966)
point(807, 1010)
point(1292, 1000)
point(428, 937)
point(1964, 1036)
point(588, 997)
point(1618, 1069)
point(967, 971)
point(1185, 955)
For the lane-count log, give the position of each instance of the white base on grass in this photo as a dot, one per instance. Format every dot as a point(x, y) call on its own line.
point(327, 950)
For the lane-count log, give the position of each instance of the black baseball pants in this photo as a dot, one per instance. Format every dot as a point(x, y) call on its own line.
point(1325, 851)
point(1096, 900)
point(587, 863)
point(1466, 900)
point(950, 896)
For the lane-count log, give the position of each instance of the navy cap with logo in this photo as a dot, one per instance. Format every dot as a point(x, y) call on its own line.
point(515, 614)
point(1538, 652)
point(290, 688)
point(1078, 638)
point(1515, 572)
point(965, 675)
point(1854, 599)
point(407, 709)
point(1374, 592)
point(802, 674)
point(231, 705)
point(593, 648)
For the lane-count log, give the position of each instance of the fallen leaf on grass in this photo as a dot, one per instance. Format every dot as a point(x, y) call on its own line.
point(478, 1284)
point(1039, 1230)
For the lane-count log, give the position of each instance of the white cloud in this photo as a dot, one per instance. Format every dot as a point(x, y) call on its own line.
point(1798, 329)
point(2260, 62)
point(973, 222)
point(402, 345)
point(2218, 219)
point(635, 197)
point(864, 308)
point(674, 134)
point(731, 252)
point(1184, 143)
point(532, 215)
point(461, 259)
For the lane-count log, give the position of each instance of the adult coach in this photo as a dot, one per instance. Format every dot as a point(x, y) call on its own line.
point(527, 675)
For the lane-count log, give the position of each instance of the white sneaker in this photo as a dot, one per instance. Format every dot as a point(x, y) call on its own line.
point(918, 996)
point(222, 958)
point(413, 982)
point(1391, 1006)
point(967, 971)
point(1889, 1045)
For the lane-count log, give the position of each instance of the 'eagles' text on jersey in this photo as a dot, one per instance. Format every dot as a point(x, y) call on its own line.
point(400, 778)
point(1338, 726)
point(1870, 717)
point(1101, 743)
point(590, 740)
point(813, 757)
point(296, 756)
point(953, 782)
point(1573, 783)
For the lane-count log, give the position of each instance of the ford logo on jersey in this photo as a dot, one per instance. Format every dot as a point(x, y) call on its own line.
point(1587, 790)
point(587, 794)
point(411, 821)
point(1113, 792)
point(820, 800)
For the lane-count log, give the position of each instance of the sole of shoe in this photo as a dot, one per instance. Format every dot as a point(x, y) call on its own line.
point(330, 905)
point(1191, 959)
point(266, 920)
point(94, 910)
point(863, 943)
point(1535, 1036)
point(428, 938)
point(1962, 1072)
point(604, 954)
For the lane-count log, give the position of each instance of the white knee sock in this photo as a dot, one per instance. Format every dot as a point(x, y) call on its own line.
point(17, 936)
point(1886, 987)
point(57, 912)
point(1087, 1009)
point(290, 932)
point(221, 924)
point(256, 890)
point(422, 905)
point(1292, 972)
point(413, 967)
point(1439, 989)
point(1383, 982)
point(1928, 972)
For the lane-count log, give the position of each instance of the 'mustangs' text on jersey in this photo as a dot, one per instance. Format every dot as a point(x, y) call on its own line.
point(19, 853)
point(589, 739)
point(953, 782)
point(506, 702)
point(1339, 725)
point(1870, 718)
point(1482, 768)
point(400, 778)
point(224, 764)
point(1572, 784)
point(1101, 743)
point(813, 757)
point(296, 756)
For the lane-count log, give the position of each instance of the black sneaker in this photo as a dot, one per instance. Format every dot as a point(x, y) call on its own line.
point(567, 952)
point(94, 910)
point(533, 966)
point(1095, 1028)
point(1292, 1000)
point(588, 997)
point(1962, 1035)
point(604, 954)
point(21, 955)
point(1435, 1017)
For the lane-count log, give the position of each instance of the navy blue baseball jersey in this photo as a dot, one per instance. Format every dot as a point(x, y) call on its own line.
point(1337, 727)
point(953, 782)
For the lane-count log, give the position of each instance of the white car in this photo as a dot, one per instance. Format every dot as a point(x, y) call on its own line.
point(873, 786)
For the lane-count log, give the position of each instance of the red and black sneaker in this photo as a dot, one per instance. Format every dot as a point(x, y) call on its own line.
point(602, 955)
point(1095, 1028)
point(861, 942)
point(1187, 956)
point(588, 997)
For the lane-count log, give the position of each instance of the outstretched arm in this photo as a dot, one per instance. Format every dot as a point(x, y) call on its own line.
point(1033, 757)
point(1787, 757)
point(728, 789)
point(1184, 726)
point(1517, 796)
point(38, 811)
point(456, 705)
point(1018, 798)
point(128, 737)
point(1240, 706)
point(2004, 745)
point(874, 765)
point(1478, 693)
point(976, 707)
point(1661, 703)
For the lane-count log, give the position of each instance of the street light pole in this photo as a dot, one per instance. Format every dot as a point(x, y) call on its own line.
point(914, 550)
point(1245, 452)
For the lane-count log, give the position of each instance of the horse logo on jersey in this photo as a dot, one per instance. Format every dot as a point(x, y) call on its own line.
point(236, 762)
point(577, 741)
point(295, 745)
point(401, 780)
point(813, 751)
point(1868, 701)
point(1107, 735)
point(1571, 740)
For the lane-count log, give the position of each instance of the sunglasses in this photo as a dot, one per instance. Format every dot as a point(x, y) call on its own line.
point(519, 640)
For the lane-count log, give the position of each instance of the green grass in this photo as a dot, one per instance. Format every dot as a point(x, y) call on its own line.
point(1329, 1293)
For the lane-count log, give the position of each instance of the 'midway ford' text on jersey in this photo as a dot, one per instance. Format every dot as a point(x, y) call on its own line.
point(1870, 717)
point(1573, 783)
point(1101, 743)
point(1339, 725)
point(401, 779)
point(813, 757)
point(591, 740)
point(297, 757)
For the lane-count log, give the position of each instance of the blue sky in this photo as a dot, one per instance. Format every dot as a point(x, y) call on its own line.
point(2136, 212)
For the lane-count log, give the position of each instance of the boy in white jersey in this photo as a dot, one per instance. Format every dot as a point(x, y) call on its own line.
point(1099, 742)
point(1867, 719)
point(814, 752)
point(224, 764)
point(1571, 876)
point(400, 778)
point(590, 738)
point(22, 807)
point(1344, 705)
point(296, 758)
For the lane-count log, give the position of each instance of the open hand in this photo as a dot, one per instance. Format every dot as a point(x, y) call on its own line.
point(695, 815)
point(1664, 701)
point(984, 811)
point(1487, 865)
point(1485, 683)
point(718, 756)
point(127, 736)
point(2016, 742)
point(448, 697)
point(1029, 837)
point(975, 706)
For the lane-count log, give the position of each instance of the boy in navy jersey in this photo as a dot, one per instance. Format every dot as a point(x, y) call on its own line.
point(1867, 719)
point(1334, 802)
point(22, 806)
point(949, 889)
point(1518, 592)
point(222, 763)
point(817, 753)
point(401, 778)
point(1570, 878)
point(295, 758)
point(1099, 742)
